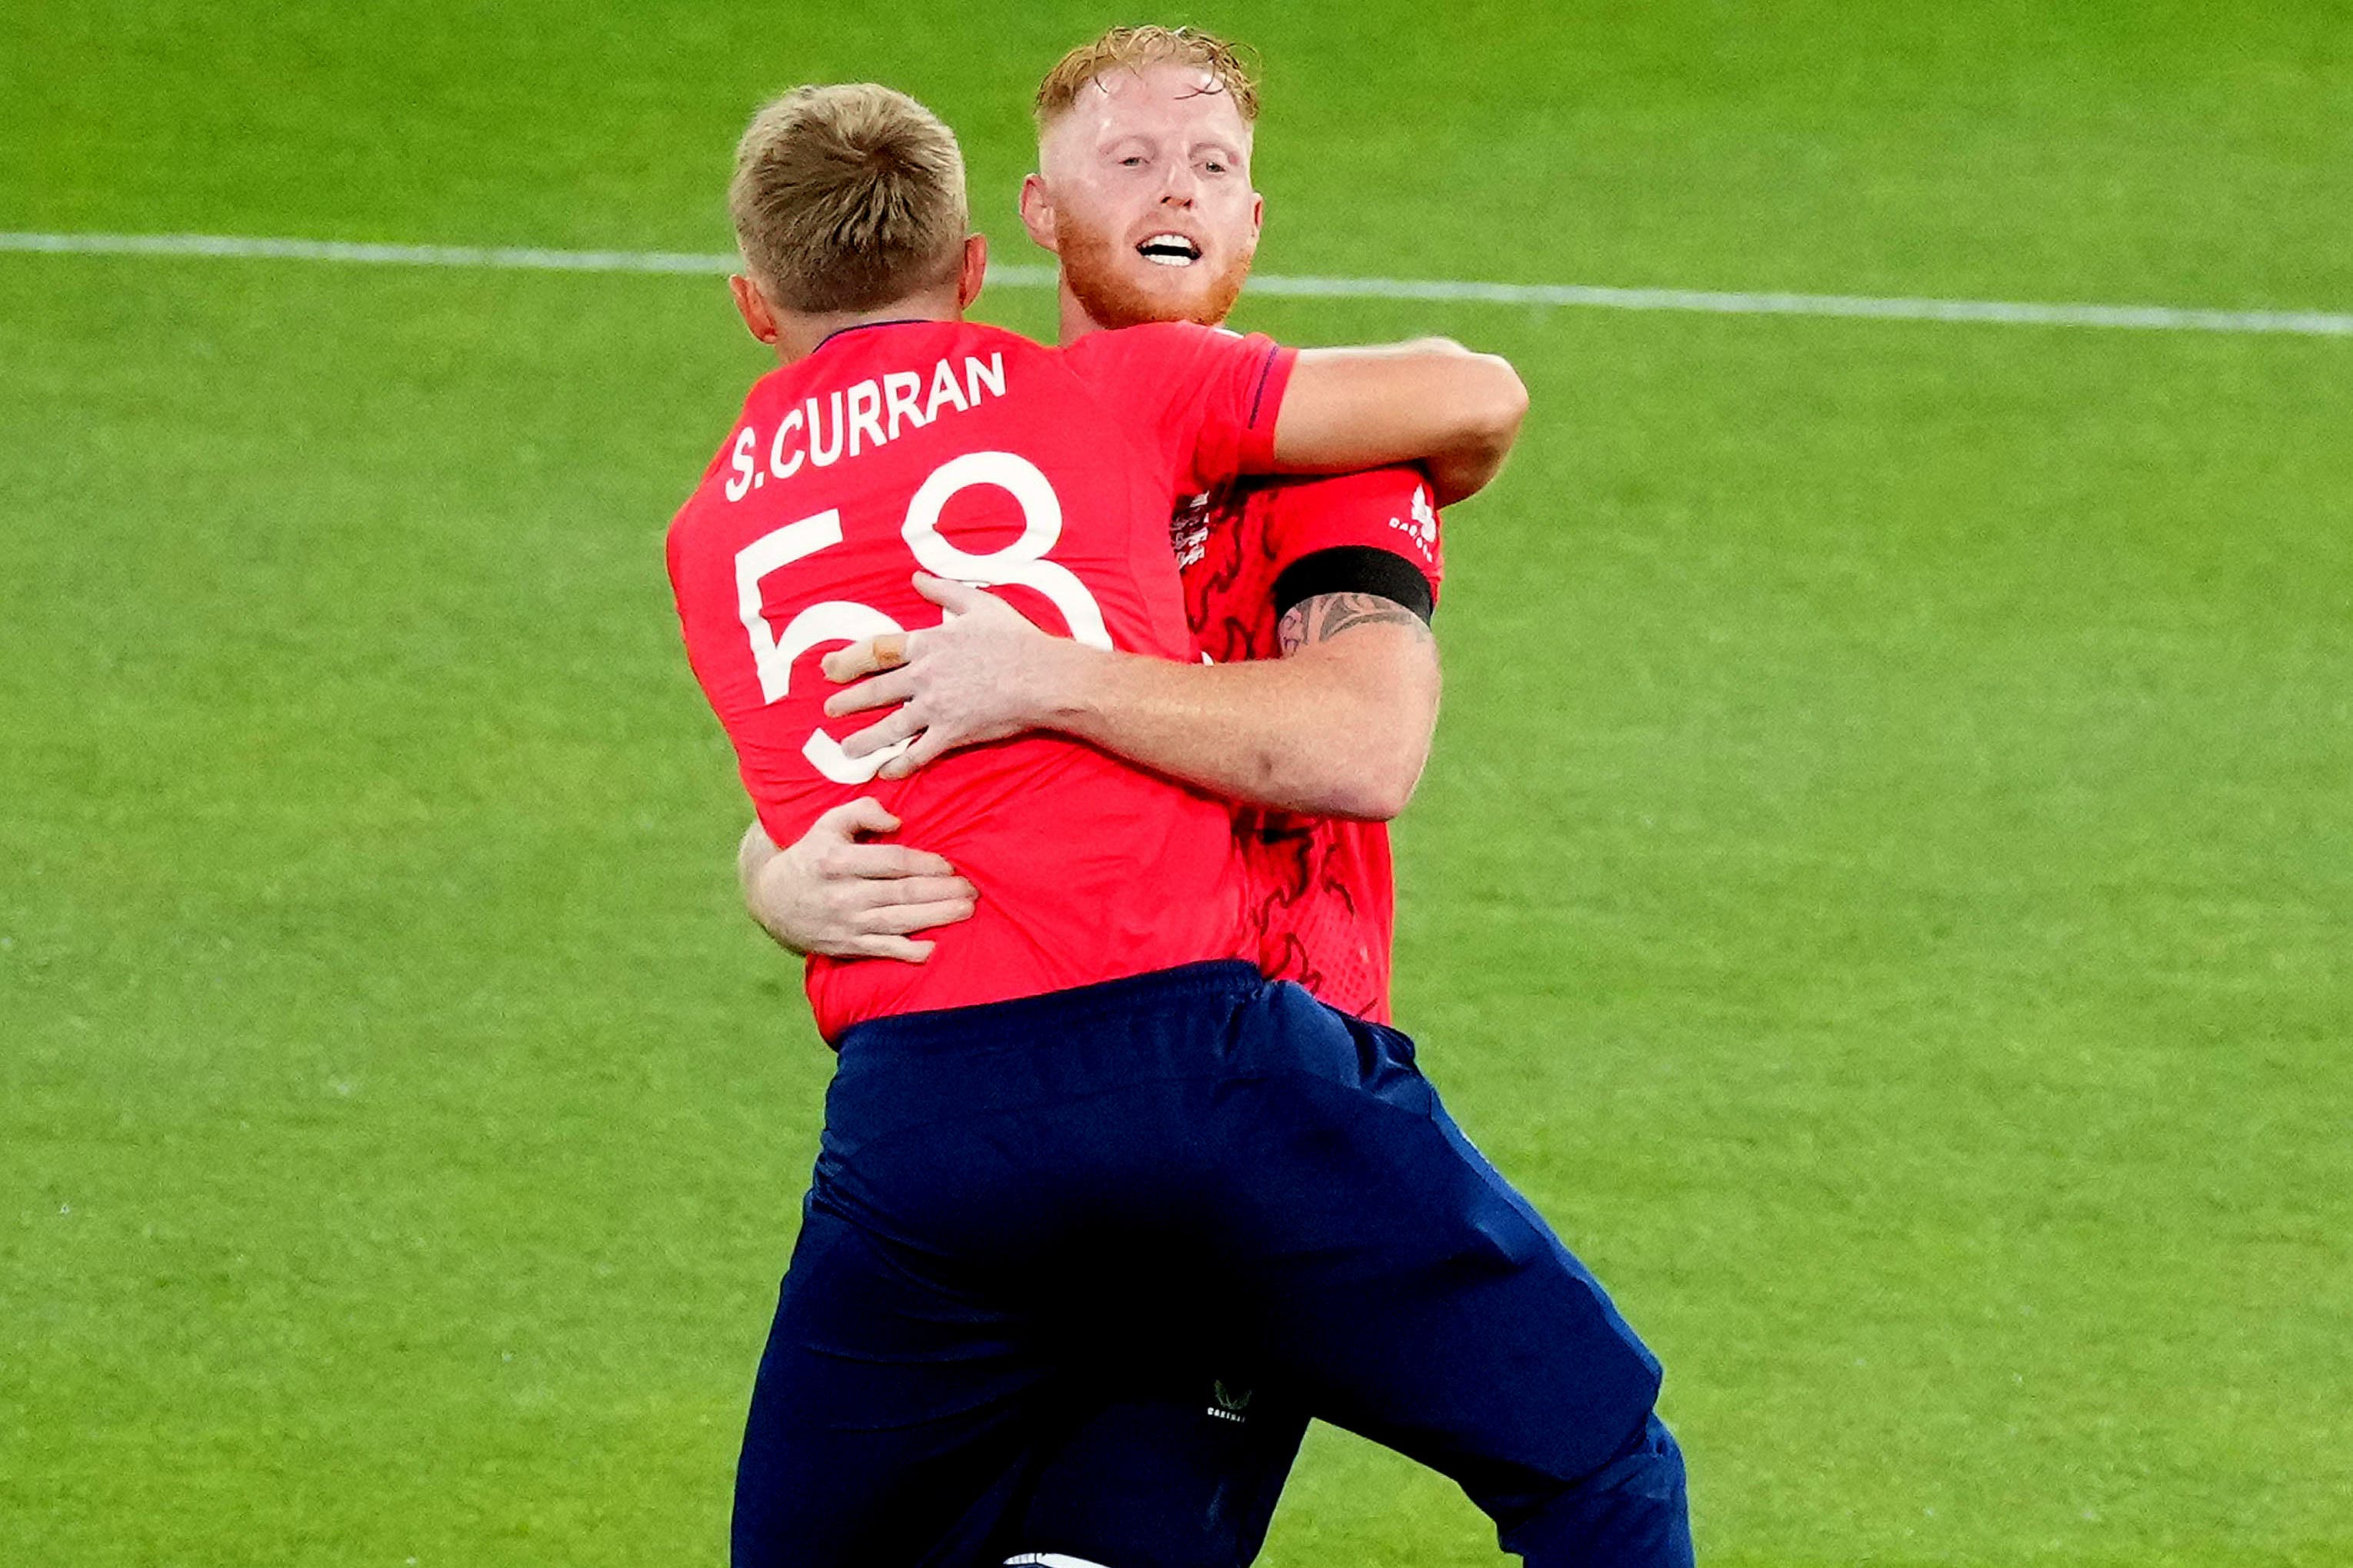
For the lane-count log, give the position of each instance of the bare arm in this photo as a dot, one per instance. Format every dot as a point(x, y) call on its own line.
point(1340, 726)
point(1432, 400)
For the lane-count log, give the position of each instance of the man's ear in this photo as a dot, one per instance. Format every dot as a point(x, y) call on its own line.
point(753, 306)
point(974, 271)
point(1038, 212)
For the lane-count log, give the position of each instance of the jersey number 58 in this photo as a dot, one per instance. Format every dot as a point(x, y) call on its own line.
point(844, 621)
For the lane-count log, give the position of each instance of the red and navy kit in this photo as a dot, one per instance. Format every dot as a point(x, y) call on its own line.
point(976, 454)
point(1183, 1460)
point(1069, 1141)
point(1321, 891)
point(1017, 1206)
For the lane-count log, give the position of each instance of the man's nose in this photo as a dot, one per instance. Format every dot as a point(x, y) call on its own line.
point(1178, 189)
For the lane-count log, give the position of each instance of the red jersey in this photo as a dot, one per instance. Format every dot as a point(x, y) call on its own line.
point(974, 454)
point(1321, 894)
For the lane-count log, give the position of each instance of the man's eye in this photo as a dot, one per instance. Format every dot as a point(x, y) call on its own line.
point(1214, 167)
point(1132, 160)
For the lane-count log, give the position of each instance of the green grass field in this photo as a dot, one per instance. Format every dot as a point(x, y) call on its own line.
point(1885, 885)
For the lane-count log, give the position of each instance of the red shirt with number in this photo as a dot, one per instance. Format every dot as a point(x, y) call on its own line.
point(1321, 891)
point(1048, 475)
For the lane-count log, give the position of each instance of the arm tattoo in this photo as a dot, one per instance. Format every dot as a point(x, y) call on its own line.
point(1326, 616)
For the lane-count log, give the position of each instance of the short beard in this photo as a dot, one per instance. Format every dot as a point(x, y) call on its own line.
point(1090, 269)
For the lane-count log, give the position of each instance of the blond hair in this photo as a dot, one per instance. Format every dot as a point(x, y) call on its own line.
point(847, 198)
point(1134, 48)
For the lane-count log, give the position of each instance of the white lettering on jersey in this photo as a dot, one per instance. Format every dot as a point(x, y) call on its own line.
point(823, 456)
point(777, 463)
point(859, 418)
point(741, 484)
point(899, 391)
point(865, 415)
point(843, 620)
point(946, 390)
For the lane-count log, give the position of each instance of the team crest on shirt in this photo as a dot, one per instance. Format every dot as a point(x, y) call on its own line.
point(1423, 527)
point(1188, 530)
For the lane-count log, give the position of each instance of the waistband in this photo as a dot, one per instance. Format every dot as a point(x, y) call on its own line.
point(991, 1024)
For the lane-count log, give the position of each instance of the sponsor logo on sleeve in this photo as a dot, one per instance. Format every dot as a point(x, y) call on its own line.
point(1423, 527)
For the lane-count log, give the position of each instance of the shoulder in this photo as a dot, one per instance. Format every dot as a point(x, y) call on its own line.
point(1164, 341)
point(982, 335)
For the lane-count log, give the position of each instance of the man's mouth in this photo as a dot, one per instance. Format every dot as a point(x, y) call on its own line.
point(1169, 250)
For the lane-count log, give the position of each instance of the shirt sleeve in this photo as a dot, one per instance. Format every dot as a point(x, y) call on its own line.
point(1205, 397)
point(1372, 532)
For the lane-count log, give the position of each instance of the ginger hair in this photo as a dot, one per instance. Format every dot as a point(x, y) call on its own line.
point(1134, 49)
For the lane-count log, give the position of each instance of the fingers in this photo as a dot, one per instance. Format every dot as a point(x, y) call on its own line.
point(884, 862)
point(929, 746)
point(874, 893)
point(845, 664)
point(880, 691)
point(956, 598)
point(864, 815)
point(888, 731)
point(898, 947)
point(875, 654)
point(902, 920)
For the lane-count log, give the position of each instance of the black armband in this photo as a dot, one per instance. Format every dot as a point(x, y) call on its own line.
point(1355, 569)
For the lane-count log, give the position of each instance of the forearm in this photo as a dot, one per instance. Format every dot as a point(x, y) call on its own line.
point(1491, 404)
point(1465, 470)
point(753, 854)
point(1308, 733)
point(1433, 401)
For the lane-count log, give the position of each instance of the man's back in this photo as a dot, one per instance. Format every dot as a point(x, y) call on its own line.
point(974, 454)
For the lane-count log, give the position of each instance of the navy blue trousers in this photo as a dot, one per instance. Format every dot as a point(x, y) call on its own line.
point(1011, 1200)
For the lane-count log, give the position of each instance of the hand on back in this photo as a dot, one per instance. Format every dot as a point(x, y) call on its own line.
point(983, 674)
point(833, 893)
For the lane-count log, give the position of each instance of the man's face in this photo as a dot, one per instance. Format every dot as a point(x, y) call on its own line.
point(1143, 192)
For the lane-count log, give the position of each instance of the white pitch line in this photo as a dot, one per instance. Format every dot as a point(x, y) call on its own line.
point(2003, 313)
